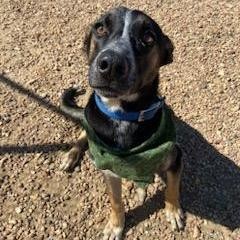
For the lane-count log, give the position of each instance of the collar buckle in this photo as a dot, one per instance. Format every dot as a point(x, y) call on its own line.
point(149, 113)
point(141, 116)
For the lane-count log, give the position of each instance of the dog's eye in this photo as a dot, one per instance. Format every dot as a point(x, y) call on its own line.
point(101, 30)
point(148, 38)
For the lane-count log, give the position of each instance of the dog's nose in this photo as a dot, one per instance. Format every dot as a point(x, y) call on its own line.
point(105, 64)
point(112, 64)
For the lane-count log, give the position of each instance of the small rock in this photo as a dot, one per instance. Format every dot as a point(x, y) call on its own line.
point(77, 169)
point(51, 166)
point(157, 179)
point(66, 197)
point(151, 189)
point(127, 185)
point(153, 216)
point(141, 230)
point(64, 225)
point(221, 73)
point(130, 232)
point(196, 232)
point(58, 232)
point(18, 210)
point(205, 222)
point(12, 221)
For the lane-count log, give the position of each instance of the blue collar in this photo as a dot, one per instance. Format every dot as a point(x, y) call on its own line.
point(140, 116)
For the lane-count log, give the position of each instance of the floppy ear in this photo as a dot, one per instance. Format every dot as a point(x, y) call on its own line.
point(88, 44)
point(167, 50)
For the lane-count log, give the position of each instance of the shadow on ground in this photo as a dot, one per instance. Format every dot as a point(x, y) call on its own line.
point(210, 184)
point(43, 102)
point(36, 148)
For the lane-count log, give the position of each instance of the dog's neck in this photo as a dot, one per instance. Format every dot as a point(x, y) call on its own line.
point(134, 102)
point(124, 134)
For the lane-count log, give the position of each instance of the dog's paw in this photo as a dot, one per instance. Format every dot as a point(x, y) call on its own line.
point(70, 160)
point(112, 232)
point(141, 195)
point(174, 216)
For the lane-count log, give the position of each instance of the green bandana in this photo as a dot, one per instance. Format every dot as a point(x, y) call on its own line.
point(139, 163)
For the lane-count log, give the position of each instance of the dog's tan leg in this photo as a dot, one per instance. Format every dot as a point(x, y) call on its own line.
point(172, 207)
point(71, 158)
point(115, 225)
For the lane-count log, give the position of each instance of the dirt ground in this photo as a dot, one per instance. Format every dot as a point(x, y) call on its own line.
point(40, 56)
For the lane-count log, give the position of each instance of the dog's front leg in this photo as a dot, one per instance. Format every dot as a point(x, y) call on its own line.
point(115, 225)
point(71, 159)
point(172, 206)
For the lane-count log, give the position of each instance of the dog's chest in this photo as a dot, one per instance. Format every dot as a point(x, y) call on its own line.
point(122, 133)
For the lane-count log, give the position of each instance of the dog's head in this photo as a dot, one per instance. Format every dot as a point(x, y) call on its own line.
point(125, 48)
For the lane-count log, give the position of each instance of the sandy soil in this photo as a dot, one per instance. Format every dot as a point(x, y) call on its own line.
point(40, 56)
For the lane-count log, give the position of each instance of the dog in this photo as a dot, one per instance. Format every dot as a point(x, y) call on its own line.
point(125, 50)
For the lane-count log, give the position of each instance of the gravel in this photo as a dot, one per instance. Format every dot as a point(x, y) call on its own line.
point(40, 50)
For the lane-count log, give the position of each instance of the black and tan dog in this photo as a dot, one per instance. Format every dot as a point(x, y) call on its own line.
point(125, 48)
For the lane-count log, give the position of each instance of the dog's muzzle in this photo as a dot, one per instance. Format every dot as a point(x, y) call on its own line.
point(112, 65)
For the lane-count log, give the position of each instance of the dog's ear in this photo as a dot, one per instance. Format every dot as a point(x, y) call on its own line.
point(88, 44)
point(167, 50)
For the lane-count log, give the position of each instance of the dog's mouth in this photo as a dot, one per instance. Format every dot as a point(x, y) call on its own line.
point(107, 91)
point(110, 88)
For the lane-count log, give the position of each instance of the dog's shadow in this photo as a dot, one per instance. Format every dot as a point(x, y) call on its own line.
point(210, 183)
